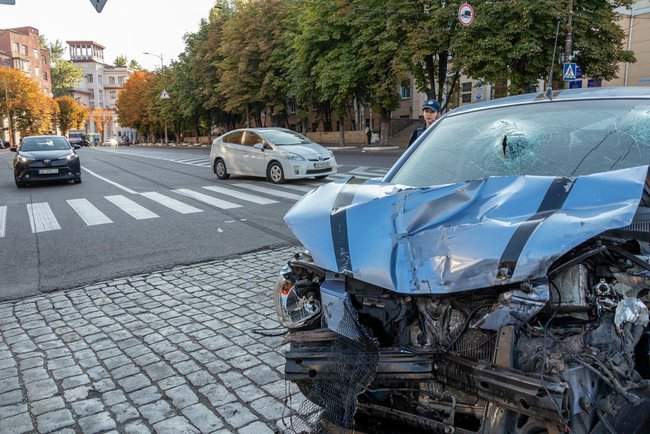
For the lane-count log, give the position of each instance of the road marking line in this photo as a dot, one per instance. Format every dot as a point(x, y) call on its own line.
point(3, 221)
point(133, 209)
point(270, 191)
point(212, 201)
point(193, 160)
point(365, 171)
point(298, 187)
point(41, 218)
point(128, 190)
point(241, 195)
point(171, 203)
point(88, 212)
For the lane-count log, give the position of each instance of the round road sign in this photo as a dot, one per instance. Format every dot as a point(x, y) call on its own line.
point(466, 14)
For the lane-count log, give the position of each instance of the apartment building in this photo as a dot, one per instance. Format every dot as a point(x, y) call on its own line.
point(101, 84)
point(20, 48)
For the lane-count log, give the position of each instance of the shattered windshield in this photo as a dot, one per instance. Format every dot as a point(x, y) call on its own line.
point(561, 138)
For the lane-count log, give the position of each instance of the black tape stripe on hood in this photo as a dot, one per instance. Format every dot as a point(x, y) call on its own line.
point(339, 224)
point(553, 201)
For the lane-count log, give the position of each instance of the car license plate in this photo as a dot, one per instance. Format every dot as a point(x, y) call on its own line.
point(321, 165)
point(48, 171)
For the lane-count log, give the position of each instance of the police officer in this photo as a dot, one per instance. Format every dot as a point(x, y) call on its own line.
point(430, 112)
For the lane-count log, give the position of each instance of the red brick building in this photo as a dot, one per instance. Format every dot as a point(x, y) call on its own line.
point(20, 48)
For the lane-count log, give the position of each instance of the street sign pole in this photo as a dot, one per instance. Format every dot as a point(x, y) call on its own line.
point(164, 96)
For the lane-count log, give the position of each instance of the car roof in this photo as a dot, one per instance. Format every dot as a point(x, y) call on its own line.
point(615, 92)
point(51, 136)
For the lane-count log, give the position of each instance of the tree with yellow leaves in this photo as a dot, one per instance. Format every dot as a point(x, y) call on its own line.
point(29, 111)
point(70, 114)
point(101, 117)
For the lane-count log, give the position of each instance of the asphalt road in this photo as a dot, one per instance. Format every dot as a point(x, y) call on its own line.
point(138, 210)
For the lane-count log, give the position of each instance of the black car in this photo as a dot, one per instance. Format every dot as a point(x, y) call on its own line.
point(46, 158)
point(78, 138)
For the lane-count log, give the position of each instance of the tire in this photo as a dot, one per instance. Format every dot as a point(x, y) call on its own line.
point(19, 184)
point(220, 169)
point(321, 177)
point(77, 181)
point(275, 173)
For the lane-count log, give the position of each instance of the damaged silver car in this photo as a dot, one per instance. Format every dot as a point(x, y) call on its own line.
point(497, 280)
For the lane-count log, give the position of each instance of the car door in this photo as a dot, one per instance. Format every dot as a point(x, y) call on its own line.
point(257, 159)
point(234, 154)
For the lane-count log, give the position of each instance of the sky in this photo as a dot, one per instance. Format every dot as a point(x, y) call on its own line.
point(128, 27)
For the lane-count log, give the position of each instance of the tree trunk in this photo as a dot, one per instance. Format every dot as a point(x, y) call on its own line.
point(385, 127)
point(430, 73)
point(443, 58)
point(12, 130)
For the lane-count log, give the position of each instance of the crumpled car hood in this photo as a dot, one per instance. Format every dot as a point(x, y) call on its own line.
point(463, 236)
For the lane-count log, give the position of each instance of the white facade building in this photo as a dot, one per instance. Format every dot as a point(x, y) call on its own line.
point(100, 86)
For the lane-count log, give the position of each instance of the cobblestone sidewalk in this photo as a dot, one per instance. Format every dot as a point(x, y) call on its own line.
point(168, 352)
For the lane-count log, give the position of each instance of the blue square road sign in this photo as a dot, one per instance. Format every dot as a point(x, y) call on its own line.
point(569, 71)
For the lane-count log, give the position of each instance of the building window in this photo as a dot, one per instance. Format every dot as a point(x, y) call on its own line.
point(111, 80)
point(466, 87)
point(24, 50)
point(37, 71)
point(45, 76)
point(113, 94)
point(16, 48)
point(35, 51)
point(89, 77)
point(466, 98)
point(466, 92)
point(405, 90)
point(99, 80)
point(291, 105)
point(120, 80)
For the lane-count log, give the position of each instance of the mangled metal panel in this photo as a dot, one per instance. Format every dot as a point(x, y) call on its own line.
point(462, 236)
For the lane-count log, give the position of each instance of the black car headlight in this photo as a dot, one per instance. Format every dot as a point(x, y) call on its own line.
point(295, 304)
point(71, 157)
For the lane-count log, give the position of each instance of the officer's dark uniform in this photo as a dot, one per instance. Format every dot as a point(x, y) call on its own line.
point(431, 104)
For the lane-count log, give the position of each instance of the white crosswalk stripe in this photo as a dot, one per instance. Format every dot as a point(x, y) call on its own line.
point(171, 203)
point(41, 218)
point(3, 221)
point(132, 208)
point(241, 195)
point(89, 212)
point(304, 188)
point(269, 191)
point(210, 200)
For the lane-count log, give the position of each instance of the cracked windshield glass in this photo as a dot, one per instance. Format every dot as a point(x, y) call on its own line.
point(325, 216)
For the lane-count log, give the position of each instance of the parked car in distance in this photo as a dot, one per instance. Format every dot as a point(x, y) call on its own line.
point(124, 141)
point(110, 142)
point(276, 154)
point(46, 158)
point(78, 138)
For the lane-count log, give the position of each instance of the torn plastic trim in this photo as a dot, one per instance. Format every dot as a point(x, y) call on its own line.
point(516, 307)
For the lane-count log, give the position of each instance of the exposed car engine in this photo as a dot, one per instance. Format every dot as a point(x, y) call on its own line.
point(494, 360)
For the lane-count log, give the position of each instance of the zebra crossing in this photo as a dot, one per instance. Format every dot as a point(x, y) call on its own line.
point(101, 211)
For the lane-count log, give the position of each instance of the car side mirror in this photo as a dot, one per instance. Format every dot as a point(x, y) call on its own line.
point(259, 146)
point(13, 149)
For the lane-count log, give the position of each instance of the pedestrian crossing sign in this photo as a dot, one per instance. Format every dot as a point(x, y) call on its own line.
point(569, 71)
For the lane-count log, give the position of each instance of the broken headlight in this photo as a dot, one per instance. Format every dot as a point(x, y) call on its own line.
point(296, 302)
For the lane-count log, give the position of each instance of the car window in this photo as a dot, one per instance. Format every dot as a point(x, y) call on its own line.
point(560, 138)
point(285, 138)
point(250, 139)
point(33, 144)
point(234, 138)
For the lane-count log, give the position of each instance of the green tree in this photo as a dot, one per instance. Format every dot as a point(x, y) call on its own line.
point(515, 40)
point(121, 61)
point(135, 65)
point(65, 74)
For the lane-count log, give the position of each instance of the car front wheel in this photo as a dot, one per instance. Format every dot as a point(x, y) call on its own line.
point(220, 169)
point(275, 174)
point(19, 184)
